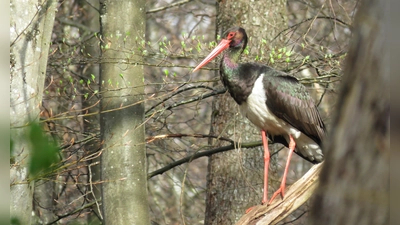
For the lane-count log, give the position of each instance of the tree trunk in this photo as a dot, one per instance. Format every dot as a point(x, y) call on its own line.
point(235, 178)
point(124, 193)
point(354, 182)
point(30, 41)
point(91, 124)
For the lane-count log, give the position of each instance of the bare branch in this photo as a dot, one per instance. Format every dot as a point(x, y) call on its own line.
point(162, 136)
point(217, 92)
point(177, 92)
point(306, 20)
point(201, 154)
point(168, 6)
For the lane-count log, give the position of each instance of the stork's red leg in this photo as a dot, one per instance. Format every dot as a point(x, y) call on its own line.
point(266, 166)
point(281, 189)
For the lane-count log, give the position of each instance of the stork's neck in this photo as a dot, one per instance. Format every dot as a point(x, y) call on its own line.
point(229, 63)
point(237, 78)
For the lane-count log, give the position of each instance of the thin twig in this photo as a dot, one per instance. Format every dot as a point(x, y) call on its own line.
point(168, 6)
point(91, 188)
point(163, 136)
point(216, 92)
point(178, 92)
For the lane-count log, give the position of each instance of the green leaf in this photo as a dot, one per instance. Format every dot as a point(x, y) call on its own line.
point(166, 72)
point(11, 151)
point(246, 50)
point(15, 221)
point(198, 47)
point(183, 34)
point(93, 76)
point(44, 152)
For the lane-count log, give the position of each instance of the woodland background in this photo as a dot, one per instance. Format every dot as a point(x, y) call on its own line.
point(111, 86)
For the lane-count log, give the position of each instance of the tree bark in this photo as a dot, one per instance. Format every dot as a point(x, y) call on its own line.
point(124, 192)
point(354, 182)
point(31, 27)
point(92, 20)
point(235, 178)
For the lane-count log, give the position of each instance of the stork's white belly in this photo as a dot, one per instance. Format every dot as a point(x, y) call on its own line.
point(255, 109)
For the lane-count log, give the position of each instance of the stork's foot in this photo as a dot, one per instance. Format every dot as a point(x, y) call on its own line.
point(263, 202)
point(249, 209)
point(280, 191)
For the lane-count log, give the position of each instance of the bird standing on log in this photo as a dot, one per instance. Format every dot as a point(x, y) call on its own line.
point(277, 103)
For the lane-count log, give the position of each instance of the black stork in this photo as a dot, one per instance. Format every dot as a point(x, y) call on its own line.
point(277, 103)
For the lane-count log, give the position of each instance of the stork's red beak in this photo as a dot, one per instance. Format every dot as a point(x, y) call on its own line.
point(224, 44)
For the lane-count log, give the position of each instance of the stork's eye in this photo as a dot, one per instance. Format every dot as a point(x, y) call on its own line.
point(231, 35)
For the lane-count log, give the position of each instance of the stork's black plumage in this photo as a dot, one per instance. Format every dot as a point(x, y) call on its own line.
point(274, 101)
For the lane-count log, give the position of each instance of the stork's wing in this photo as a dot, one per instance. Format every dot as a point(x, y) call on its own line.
point(289, 100)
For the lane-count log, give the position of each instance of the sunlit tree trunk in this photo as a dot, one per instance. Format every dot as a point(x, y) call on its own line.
point(123, 161)
point(235, 178)
point(354, 183)
point(30, 31)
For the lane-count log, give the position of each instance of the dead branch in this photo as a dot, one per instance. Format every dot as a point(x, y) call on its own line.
point(297, 194)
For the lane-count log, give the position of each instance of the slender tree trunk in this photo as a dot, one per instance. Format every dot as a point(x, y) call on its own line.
point(354, 183)
point(92, 124)
point(31, 27)
point(235, 178)
point(123, 161)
